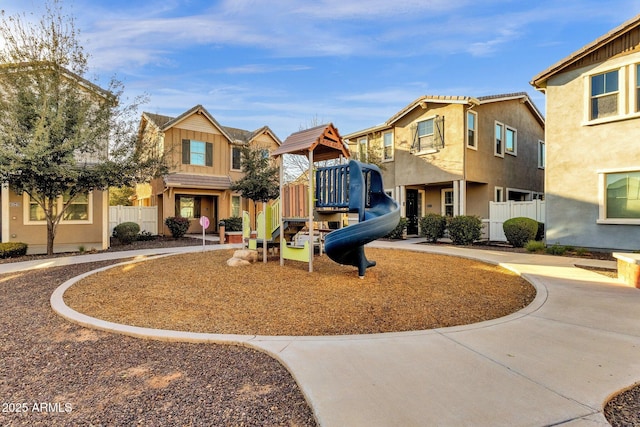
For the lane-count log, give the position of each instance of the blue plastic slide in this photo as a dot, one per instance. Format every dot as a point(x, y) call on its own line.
point(378, 216)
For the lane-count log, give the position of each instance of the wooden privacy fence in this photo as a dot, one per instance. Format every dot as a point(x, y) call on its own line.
point(499, 212)
point(145, 216)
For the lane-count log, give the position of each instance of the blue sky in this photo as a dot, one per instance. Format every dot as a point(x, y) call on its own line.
point(290, 64)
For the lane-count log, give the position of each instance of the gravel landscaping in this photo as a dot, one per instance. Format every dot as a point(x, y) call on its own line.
point(57, 373)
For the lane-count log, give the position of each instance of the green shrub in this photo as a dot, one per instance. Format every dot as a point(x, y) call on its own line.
point(126, 232)
point(398, 232)
point(540, 232)
point(233, 223)
point(520, 230)
point(556, 249)
point(464, 229)
point(145, 236)
point(432, 226)
point(534, 246)
point(177, 225)
point(12, 249)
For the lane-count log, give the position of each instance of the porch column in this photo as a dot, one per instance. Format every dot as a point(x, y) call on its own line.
point(4, 208)
point(456, 198)
point(463, 197)
point(401, 200)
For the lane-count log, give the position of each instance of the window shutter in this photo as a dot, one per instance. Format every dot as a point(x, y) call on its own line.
point(439, 132)
point(186, 151)
point(209, 154)
point(415, 145)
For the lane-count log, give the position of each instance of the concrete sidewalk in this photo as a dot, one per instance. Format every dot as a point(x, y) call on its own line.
point(555, 362)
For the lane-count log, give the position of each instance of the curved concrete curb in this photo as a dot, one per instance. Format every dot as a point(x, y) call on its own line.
point(59, 306)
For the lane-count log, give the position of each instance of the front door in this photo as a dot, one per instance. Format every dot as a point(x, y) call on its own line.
point(411, 211)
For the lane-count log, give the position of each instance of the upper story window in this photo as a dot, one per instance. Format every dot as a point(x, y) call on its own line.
point(499, 138)
point(637, 87)
point(510, 141)
point(604, 95)
point(472, 130)
point(363, 145)
point(542, 155)
point(197, 153)
point(387, 142)
point(428, 135)
point(236, 155)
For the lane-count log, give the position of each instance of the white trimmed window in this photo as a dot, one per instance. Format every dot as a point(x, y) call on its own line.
point(363, 145)
point(235, 205)
point(498, 194)
point(619, 197)
point(498, 148)
point(472, 130)
point(637, 68)
point(387, 146)
point(79, 211)
point(542, 155)
point(604, 95)
point(236, 157)
point(510, 141)
point(447, 202)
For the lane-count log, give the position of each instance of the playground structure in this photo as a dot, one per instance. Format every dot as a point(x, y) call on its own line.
point(289, 222)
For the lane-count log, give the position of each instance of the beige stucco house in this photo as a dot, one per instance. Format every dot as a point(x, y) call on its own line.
point(452, 155)
point(593, 138)
point(85, 223)
point(204, 160)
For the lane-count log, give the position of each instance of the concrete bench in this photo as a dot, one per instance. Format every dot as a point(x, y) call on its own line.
point(628, 268)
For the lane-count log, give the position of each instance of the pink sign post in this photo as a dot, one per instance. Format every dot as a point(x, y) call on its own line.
point(204, 222)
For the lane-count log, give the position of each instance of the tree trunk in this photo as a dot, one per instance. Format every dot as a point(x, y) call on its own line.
point(51, 235)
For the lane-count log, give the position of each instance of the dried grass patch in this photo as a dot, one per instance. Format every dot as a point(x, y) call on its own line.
point(199, 293)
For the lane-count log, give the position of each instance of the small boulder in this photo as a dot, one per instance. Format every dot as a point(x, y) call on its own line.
point(246, 254)
point(237, 262)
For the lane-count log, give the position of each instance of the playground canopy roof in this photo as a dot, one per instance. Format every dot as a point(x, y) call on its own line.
point(324, 140)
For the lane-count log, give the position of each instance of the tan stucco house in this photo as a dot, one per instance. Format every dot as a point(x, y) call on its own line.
point(593, 143)
point(85, 223)
point(452, 155)
point(204, 160)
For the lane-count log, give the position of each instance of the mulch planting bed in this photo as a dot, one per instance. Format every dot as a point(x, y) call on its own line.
point(198, 292)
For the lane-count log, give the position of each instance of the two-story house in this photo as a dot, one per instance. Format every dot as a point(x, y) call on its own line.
point(593, 136)
point(85, 222)
point(452, 155)
point(204, 159)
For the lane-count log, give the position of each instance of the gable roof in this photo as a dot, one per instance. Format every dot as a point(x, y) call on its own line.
point(51, 66)
point(423, 101)
point(624, 38)
point(324, 140)
point(234, 135)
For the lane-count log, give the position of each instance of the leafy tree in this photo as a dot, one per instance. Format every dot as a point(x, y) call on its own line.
point(60, 134)
point(261, 181)
point(120, 196)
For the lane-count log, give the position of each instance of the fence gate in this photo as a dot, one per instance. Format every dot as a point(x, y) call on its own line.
point(499, 212)
point(145, 216)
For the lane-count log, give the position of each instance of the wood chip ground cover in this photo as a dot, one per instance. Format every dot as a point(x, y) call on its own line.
point(199, 293)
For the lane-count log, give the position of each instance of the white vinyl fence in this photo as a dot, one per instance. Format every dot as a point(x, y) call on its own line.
point(499, 212)
point(145, 216)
